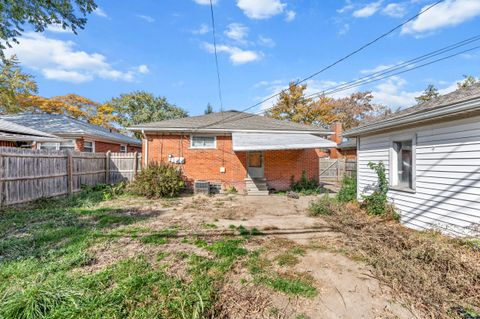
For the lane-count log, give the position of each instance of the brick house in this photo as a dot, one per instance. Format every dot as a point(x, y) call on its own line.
point(14, 135)
point(346, 148)
point(75, 134)
point(237, 149)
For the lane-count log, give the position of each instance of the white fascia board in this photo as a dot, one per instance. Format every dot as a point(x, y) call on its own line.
point(189, 131)
point(440, 112)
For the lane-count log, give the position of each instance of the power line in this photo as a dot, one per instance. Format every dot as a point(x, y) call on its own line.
point(370, 79)
point(219, 82)
point(334, 63)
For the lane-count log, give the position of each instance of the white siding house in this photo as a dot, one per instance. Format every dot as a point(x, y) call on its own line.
point(432, 156)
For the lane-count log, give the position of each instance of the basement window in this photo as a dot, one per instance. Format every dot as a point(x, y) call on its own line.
point(204, 142)
point(402, 166)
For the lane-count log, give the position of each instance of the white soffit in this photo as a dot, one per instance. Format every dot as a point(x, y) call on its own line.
point(279, 141)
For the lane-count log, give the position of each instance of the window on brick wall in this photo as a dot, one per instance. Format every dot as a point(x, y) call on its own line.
point(89, 146)
point(197, 141)
point(123, 148)
point(66, 145)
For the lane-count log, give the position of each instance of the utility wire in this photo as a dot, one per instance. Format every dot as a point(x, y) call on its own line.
point(219, 82)
point(334, 63)
point(370, 79)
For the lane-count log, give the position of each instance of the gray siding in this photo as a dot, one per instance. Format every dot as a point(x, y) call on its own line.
point(447, 172)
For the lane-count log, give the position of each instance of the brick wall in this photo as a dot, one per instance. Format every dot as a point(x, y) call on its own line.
point(205, 164)
point(201, 164)
point(103, 147)
point(7, 144)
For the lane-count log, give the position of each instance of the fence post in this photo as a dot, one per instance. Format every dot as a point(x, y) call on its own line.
point(107, 167)
point(135, 164)
point(1, 181)
point(69, 172)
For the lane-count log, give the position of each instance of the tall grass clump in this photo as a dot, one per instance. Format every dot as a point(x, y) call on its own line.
point(304, 185)
point(348, 191)
point(158, 180)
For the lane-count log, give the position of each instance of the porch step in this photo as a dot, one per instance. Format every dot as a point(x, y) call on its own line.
point(256, 186)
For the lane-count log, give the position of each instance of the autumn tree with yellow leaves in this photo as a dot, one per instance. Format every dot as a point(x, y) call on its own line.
point(292, 105)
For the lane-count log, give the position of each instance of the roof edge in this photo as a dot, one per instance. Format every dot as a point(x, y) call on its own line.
point(186, 130)
point(445, 110)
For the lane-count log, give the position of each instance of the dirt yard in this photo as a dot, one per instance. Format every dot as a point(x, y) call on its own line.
point(292, 245)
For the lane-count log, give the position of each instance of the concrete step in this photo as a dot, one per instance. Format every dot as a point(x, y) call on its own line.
point(257, 193)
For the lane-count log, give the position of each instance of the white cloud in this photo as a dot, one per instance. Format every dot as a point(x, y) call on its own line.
point(344, 29)
point(237, 55)
point(149, 19)
point(143, 69)
point(445, 14)
point(203, 29)
point(265, 41)
point(260, 9)
point(290, 15)
point(67, 76)
point(378, 68)
point(99, 12)
point(206, 2)
point(396, 10)
point(57, 28)
point(237, 32)
point(368, 10)
point(347, 7)
point(60, 60)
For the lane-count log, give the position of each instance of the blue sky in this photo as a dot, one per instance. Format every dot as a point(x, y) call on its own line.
point(165, 47)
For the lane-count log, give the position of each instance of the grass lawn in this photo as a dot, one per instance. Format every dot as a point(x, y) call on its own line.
point(44, 248)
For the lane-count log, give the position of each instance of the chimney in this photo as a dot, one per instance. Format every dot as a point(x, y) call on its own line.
point(336, 137)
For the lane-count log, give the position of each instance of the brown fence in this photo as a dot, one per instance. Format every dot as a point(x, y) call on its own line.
point(333, 170)
point(26, 175)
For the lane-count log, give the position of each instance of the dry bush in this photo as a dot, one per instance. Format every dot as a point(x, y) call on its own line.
point(438, 275)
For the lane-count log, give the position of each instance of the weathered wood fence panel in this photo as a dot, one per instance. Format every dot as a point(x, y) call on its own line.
point(27, 175)
point(333, 170)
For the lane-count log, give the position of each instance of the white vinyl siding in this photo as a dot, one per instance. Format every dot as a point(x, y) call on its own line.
point(447, 175)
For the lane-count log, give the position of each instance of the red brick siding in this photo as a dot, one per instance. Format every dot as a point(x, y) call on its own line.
point(205, 164)
point(7, 144)
point(201, 164)
point(103, 147)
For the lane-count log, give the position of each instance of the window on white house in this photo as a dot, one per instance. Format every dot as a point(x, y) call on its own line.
point(123, 148)
point(89, 146)
point(203, 142)
point(402, 165)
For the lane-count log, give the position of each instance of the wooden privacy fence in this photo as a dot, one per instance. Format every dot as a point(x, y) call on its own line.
point(333, 170)
point(26, 175)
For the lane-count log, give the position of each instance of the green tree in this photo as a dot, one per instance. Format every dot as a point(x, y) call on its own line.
point(142, 107)
point(15, 14)
point(14, 85)
point(468, 80)
point(430, 93)
point(209, 109)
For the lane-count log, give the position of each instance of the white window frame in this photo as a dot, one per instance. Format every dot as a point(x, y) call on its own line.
point(93, 146)
point(56, 144)
point(204, 147)
point(125, 146)
point(393, 165)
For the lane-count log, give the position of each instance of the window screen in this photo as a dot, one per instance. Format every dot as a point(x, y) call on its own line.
point(403, 169)
point(203, 142)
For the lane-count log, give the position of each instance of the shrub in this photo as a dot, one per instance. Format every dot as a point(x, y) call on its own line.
point(114, 191)
point(348, 191)
point(158, 180)
point(304, 184)
point(322, 206)
point(376, 203)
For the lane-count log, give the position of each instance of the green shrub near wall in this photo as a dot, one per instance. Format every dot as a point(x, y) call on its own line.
point(158, 180)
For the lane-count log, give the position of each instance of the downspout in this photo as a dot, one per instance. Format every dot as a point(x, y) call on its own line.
point(146, 148)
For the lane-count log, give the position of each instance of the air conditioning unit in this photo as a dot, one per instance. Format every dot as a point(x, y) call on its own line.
point(201, 187)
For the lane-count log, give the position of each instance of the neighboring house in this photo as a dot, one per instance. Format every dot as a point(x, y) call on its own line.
point(236, 149)
point(14, 135)
point(346, 148)
point(77, 135)
point(432, 155)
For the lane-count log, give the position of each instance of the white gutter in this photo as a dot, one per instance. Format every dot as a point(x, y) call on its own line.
point(146, 149)
point(438, 112)
point(183, 130)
